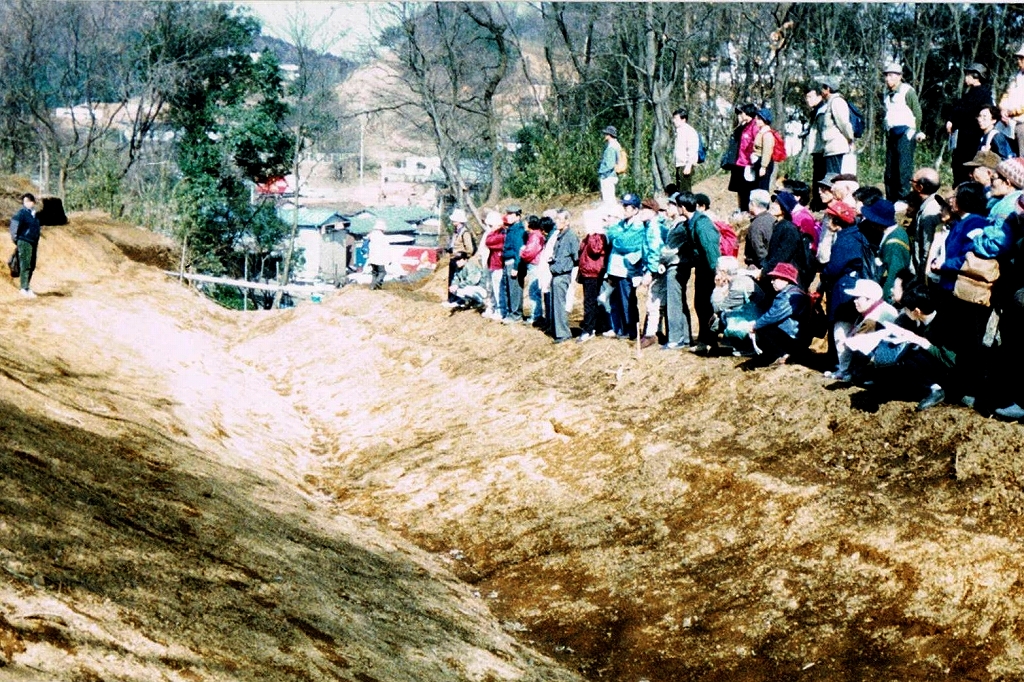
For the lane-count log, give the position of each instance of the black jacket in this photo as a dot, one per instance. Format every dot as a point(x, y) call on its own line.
point(25, 226)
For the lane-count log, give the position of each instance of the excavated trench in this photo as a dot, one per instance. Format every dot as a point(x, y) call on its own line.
point(664, 516)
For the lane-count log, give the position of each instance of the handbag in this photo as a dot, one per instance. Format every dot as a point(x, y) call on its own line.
point(14, 264)
point(888, 353)
point(975, 279)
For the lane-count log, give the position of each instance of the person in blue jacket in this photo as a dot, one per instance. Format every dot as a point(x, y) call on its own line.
point(633, 258)
point(780, 331)
point(514, 240)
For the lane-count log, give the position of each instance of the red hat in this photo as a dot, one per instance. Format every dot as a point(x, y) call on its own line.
point(787, 272)
point(842, 212)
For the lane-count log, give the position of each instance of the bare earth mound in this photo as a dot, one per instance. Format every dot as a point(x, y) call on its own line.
point(153, 518)
point(374, 489)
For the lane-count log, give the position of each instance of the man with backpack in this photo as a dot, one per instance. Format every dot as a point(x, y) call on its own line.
point(831, 135)
point(687, 148)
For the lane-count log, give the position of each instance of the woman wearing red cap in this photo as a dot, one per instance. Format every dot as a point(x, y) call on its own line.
point(780, 331)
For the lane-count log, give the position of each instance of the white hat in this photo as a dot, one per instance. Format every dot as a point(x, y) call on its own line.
point(494, 219)
point(866, 288)
point(458, 216)
point(1020, 52)
point(893, 67)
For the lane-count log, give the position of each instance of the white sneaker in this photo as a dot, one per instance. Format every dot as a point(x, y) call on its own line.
point(609, 334)
point(28, 293)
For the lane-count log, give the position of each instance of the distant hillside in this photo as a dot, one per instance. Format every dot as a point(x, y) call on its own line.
point(338, 68)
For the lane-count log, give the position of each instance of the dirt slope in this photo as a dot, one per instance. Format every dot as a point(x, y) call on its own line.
point(154, 524)
point(672, 517)
point(193, 494)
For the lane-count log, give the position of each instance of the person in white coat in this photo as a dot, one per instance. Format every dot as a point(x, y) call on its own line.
point(377, 255)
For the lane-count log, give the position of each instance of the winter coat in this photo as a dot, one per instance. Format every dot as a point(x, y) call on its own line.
point(995, 142)
point(593, 255)
point(894, 250)
point(755, 249)
point(831, 129)
point(707, 242)
point(959, 242)
point(963, 115)
point(786, 246)
point(746, 146)
point(567, 252)
point(462, 242)
point(845, 267)
point(25, 226)
point(377, 252)
point(787, 311)
point(635, 245)
point(514, 240)
point(532, 247)
point(495, 243)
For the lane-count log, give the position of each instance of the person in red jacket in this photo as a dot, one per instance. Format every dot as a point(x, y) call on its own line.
point(494, 242)
point(528, 258)
point(592, 261)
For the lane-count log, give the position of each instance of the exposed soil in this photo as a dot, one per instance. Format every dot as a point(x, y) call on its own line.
point(374, 488)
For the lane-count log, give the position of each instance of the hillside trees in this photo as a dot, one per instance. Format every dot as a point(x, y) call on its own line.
point(630, 65)
point(451, 60)
point(227, 110)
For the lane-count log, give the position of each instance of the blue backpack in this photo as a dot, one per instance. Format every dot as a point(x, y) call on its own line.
point(856, 120)
point(702, 149)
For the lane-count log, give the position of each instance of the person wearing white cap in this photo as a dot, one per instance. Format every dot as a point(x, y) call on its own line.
point(873, 312)
point(1011, 104)
point(494, 243)
point(902, 124)
point(461, 247)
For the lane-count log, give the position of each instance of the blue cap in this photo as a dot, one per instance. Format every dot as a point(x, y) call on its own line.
point(631, 200)
point(765, 115)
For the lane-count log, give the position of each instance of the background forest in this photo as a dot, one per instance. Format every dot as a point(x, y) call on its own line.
point(166, 113)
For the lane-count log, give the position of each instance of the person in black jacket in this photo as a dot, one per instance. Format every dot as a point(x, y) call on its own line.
point(963, 119)
point(785, 246)
point(25, 232)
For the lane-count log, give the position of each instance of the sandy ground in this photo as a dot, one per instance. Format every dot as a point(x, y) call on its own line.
point(155, 522)
point(374, 488)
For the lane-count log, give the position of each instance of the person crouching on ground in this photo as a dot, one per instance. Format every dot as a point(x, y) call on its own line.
point(779, 333)
point(873, 311)
point(469, 286)
point(733, 301)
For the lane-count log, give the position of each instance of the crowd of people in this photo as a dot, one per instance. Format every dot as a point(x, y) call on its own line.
point(913, 289)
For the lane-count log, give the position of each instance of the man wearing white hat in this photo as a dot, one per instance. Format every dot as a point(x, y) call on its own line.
point(1011, 104)
point(903, 125)
point(461, 248)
